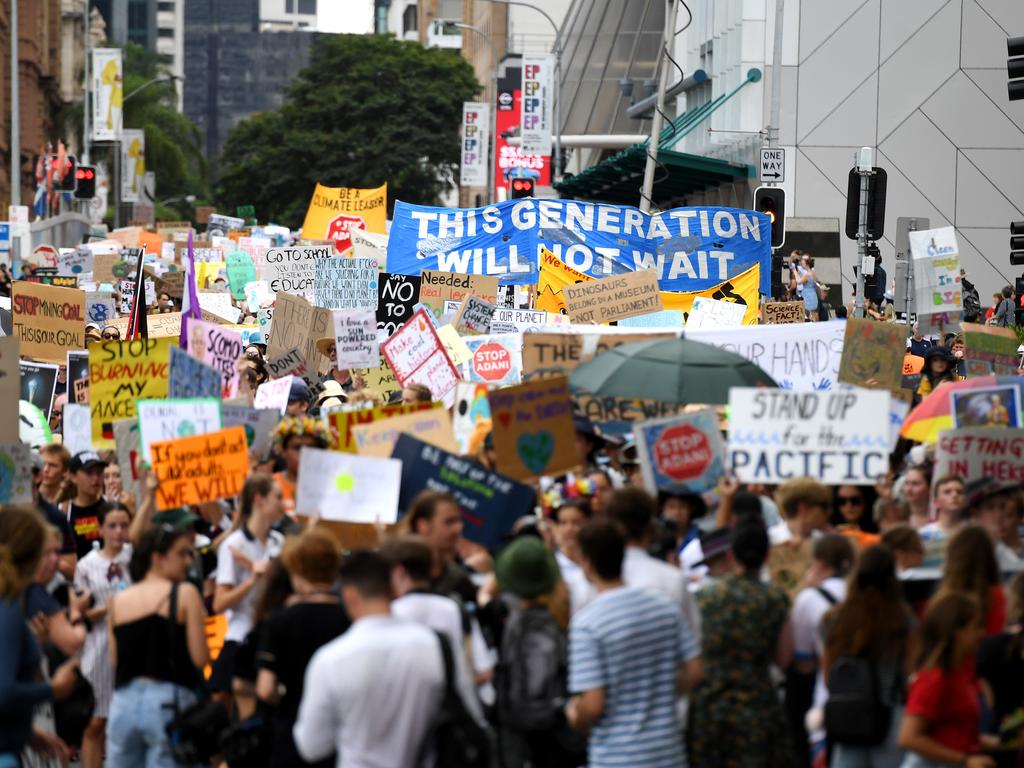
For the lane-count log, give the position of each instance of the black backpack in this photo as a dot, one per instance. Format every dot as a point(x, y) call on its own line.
point(855, 713)
point(532, 674)
point(458, 738)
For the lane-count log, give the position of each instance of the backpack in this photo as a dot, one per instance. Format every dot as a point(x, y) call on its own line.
point(855, 713)
point(971, 300)
point(532, 674)
point(458, 739)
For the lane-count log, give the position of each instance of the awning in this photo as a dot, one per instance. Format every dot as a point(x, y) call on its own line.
point(617, 179)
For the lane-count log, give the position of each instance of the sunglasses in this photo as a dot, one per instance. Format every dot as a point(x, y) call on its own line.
point(846, 500)
point(110, 336)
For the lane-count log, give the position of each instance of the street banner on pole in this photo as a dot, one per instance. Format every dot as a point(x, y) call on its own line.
point(476, 128)
point(537, 103)
point(107, 93)
point(133, 164)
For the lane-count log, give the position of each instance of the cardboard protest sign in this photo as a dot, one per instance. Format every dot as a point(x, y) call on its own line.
point(612, 298)
point(474, 316)
point(241, 271)
point(161, 420)
point(397, 296)
point(471, 417)
point(415, 355)
point(781, 312)
point(293, 270)
point(801, 358)
point(38, 384)
point(490, 502)
point(335, 211)
point(937, 286)
point(162, 326)
point(190, 377)
point(343, 421)
point(378, 438)
point(298, 324)
point(346, 283)
point(121, 372)
point(220, 349)
point(438, 287)
point(533, 429)
point(99, 308)
point(454, 345)
point(257, 423)
point(76, 428)
point(713, 313)
point(78, 376)
point(200, 468)
point(15, 473)
point(496, 360)
point(348, 488)
point(836, 437)
point(380, 379)
point(292, 363)
point(979, 452)
point(873, 354)
point(989, 349)
point(10, 385)
point(681, 454)
point(355, 338)
point(273, 394)
point(48, 320)
point(126, 437)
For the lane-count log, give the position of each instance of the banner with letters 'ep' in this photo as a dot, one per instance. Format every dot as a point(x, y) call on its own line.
point(692, 249)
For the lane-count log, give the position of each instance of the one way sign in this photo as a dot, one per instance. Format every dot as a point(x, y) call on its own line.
point(773, 165)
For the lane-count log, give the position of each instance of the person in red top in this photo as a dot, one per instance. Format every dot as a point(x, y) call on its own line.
point(941, 723)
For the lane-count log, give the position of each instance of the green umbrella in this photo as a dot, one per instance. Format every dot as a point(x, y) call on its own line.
point(669, 371)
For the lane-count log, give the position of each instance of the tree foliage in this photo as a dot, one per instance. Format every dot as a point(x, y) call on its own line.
point(368, 109)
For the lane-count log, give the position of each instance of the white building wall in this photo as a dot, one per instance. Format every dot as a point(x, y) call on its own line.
point(170, 42)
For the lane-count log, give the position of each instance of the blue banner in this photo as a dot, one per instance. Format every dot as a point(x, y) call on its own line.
point(693, 249)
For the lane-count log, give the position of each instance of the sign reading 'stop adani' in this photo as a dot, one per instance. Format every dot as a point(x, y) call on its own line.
point(691, 248)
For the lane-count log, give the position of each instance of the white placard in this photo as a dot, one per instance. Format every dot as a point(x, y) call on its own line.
point(293, 270)
point(273, 394)
point(161, 420)
point(476, 121)
point(937, 286)
point(712, 313)
point(347, 488)
point(537, 100)
point(77, 428)
point(355, 338)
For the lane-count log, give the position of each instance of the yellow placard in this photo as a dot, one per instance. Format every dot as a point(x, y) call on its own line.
point(121, 372)
point(553, 276)
point(453, 344)
point(333, 211)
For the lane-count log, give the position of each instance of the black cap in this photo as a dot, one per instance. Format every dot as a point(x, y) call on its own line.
point(85, 460)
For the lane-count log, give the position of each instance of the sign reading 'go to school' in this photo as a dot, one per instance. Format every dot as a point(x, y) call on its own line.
point(691, 249)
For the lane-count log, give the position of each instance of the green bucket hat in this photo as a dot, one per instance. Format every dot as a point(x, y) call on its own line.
point(527, 568)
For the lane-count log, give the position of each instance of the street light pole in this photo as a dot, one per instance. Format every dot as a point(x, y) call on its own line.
point(88, 85)
point(15, 110)
point(659, 110)
point(865, 166)
point(493, 138)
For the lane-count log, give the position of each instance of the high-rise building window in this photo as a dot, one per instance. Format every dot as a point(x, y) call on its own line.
point(449, 10)
point(165, 6)
point(289, 6)
point(307, 7)
point(410, 19)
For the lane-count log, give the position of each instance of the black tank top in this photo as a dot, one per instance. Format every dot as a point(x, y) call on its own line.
point(144, 650)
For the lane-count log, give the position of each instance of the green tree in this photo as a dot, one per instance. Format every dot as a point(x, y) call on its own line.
point(367, 109)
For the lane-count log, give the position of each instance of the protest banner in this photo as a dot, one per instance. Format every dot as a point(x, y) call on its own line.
point(474, 316)
point(454, 345)
point(781, 312)
point(218, 225)
point(15, 472)
point(163, 326)
point(342, 422)
point(369, 245)
point(681, 454)
point(77, 376)
point(396, 299)
point(218, 304)
point(200, 468)
point(612, 298)
point(533, 428)
point(258, 424)
point(438, 287)
point(121, 372)
point(38, 384)
point(347, 488)
point(241, 271)
point(713, 313)
point(74, 262)
point(510, 320)
point(343, 282)
point(220, 349)
point(873, 355)
point(380, 379)
point(741, 289)
point(471, 417)
point(355, 338)
point(989, 349)
point(978, 453)
point(334, 211)
point(162, 420)
point(378, 438)
point(99, 308)
point(76, 428)
point(691, 249)
point(189, 377)
point(415, 355)
point(47, 320)
point(804, 358)
point(293, 270)
point(10, 385)
point(996, 406)
point(666, 319)
point(495, 359)
point(490, 502)
point(552, 276)
point(298, 324)
point(273, 394)
point(936, 259)
point(292, 363)
point(838, 438)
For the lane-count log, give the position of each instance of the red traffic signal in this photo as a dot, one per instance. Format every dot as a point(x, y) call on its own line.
point(85, 182)
point(522, 188)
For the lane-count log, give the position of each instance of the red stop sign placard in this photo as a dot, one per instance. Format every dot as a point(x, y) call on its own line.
point(682, 453)
point(492, 361)
point(339, 228)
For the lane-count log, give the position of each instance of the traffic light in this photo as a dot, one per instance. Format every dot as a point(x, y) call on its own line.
point(67, 183)
point(876, 203)
point(772, 201)
point(521, 188)
point(1017, 243)
point(85, 177)
point(1015, 67)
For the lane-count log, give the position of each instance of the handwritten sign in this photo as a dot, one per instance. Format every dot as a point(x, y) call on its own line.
point(781, 312)
point(613, 298)
point(120, 373)
point(200, 468)
point(432, 426)
point(873, 354)
point(380, 379)
point(681, 454)
point(490, 502)
point(415, 355)
point(474, 316)
point(396, 299)
point(438, 287)
point(48, 320)
point(713, 313)
point(273, 394)
point(292, 363)
point(218, 303)
point(453, 344)
point(241, 271)
point(937, 286)
point(355, 338)
point(533, 429)
point(298, 324)
point(839, 438)
point(347, 488)
point(293, 270)
point(343, 422)
point(220, 349)
point(510, 320)
point(257, 423)
point(74, 262)
point(162, 420)
point(980, 452)
point(989, 350)
point(99, 308)
point(346, 283)
point(495, 359)
point(190, 377)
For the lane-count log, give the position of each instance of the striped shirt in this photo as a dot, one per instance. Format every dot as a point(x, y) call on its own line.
point(630, 642)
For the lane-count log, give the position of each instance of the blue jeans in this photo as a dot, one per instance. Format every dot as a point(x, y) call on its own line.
point(139, 714)
point(888, 754)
